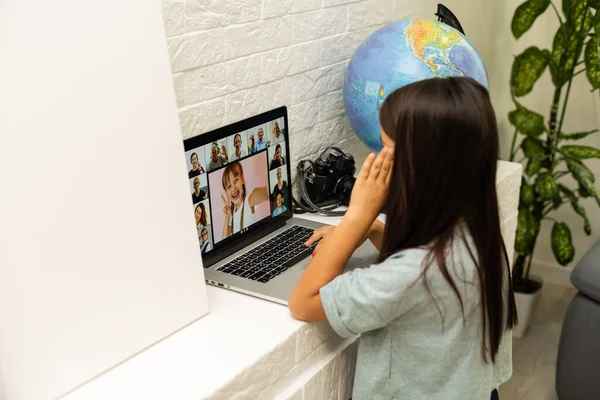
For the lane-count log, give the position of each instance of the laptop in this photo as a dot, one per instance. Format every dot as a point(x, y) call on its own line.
point(240, 184)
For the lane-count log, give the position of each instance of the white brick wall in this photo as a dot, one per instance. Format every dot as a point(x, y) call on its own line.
point(235, 58)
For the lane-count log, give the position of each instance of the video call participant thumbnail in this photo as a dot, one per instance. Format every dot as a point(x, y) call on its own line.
point(198, 194)
point(239, 151)
point(280, 208)
point(261, 143)
point(201, 216)
point(281, 186)
point(204, 241)
point(278, 134)
point(217, 160)
point(197, 168)
point(278, 159)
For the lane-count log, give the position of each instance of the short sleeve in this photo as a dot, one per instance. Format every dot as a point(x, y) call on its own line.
point(366, 299)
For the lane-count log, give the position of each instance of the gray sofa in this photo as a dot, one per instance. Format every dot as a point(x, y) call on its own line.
point(578, 363)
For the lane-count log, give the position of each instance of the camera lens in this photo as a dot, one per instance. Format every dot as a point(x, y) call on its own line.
point(343, 188)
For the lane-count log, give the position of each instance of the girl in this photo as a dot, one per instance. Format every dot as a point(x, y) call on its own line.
point(435, 312)
point(238, 207)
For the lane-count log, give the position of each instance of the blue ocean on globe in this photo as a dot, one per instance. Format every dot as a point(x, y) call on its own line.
point(398, 54)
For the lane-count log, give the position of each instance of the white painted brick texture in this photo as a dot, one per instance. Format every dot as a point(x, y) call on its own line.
point(207, 14)
point(232, 59)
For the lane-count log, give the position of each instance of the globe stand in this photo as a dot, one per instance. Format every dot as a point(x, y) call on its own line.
point(446, 16)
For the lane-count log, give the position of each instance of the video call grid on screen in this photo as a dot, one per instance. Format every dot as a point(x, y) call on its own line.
point(259, 146)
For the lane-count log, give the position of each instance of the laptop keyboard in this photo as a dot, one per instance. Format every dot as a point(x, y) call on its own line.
point(273, 257)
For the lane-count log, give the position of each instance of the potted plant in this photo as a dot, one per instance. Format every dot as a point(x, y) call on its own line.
point(550, 153)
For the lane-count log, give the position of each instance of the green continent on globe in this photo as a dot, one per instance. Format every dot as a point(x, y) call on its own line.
point(431, 41)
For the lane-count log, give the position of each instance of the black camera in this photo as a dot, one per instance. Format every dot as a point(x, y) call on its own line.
point(332, 179)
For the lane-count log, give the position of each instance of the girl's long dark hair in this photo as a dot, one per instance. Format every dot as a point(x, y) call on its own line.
point(444, 175)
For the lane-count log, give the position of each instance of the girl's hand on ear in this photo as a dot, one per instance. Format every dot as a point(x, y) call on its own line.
point(371, 187)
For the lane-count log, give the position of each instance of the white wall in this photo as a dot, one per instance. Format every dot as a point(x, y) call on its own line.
point(236, 58)
point(99, 253)
point(583, 113)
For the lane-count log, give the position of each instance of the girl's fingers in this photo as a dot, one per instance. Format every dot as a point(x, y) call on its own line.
point(224, 201)
point(318, 234)
point(386, 166)
point(366, 168)
point(315, 236)
point(376, 167)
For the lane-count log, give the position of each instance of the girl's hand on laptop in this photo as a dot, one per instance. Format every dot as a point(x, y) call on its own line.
point(370, 191)
point(322, 233)
point(318, 235)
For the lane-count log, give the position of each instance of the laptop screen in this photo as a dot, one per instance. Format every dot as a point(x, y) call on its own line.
point(239, 178)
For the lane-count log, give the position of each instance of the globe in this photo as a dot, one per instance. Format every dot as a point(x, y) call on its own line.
point(398, 54)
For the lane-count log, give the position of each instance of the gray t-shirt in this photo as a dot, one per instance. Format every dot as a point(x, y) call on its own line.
point(221, 160)
point(406, 350)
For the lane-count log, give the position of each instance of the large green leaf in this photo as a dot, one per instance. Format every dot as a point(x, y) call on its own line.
point(567, 192)
point(559, 45)
point(527, 69)
point(533, 167)
point(568, 41)
point(583, 192)
point(526, 14)
point(566, 7)
point(574, 10)
point(587, 228)
point(562, 247)
point(527, 195)
point(577, 135)
point(528, 227)
point(580, 152)
point(532, 148)
point(584, 177)
point(592, 62)
point(546, 187)
point(527, 122)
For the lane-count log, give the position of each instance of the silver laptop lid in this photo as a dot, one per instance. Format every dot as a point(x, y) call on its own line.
point(240, 183)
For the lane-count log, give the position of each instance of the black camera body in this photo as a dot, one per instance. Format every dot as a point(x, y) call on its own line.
point(332, 179)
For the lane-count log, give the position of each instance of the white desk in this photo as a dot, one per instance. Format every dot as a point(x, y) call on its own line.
point(248, 348)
